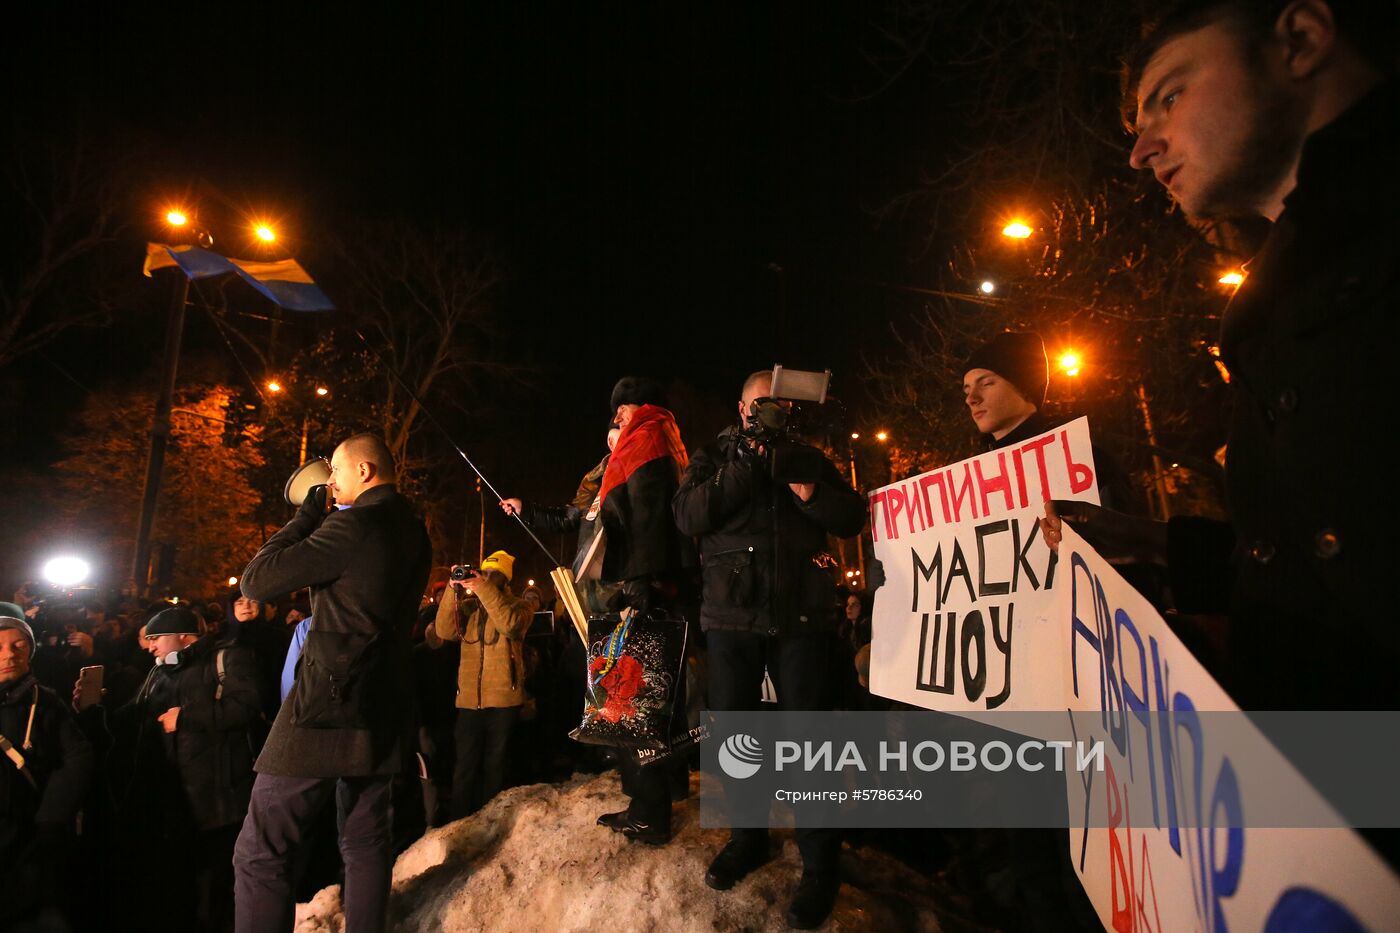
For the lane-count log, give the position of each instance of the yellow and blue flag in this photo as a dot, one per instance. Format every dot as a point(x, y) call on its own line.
point(284, 282)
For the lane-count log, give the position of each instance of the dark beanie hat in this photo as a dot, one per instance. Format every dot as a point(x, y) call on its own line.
point(637, 390)
point(12, 616)
point(177, 620)
point(1019, 358)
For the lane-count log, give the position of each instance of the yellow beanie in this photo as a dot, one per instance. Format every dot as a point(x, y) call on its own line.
point(499, 560)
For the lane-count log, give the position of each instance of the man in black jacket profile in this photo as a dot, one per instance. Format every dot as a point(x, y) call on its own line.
point(341, 730)
point(1284, 113)
point(766, 603)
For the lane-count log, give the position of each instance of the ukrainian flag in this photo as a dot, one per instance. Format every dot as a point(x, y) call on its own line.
point(284, 282)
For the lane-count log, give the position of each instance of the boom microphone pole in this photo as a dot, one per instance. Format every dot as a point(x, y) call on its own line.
point(432, 419)
point(563, 577)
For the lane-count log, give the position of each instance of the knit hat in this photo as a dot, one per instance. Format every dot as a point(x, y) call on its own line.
point(499, 561)
point(177, 620)
point(637, 390)
point(1019, 358)
point(12, 616)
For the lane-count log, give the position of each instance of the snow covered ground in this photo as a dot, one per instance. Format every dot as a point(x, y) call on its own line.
point(533, 860)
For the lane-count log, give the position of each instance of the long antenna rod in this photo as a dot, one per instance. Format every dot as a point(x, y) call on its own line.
point(432, 419)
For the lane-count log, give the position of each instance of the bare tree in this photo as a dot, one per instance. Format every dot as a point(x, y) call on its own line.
point(68, 210)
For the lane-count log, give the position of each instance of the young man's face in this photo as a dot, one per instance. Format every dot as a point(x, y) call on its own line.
point(245, 609)
point(1217, 124)
point(162, 645)
point(994, 403)
point(15, 650)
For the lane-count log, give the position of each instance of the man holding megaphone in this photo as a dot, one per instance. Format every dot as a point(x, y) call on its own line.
point(340, 732)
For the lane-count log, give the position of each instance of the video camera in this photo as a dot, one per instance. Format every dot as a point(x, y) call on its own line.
point(793, 409)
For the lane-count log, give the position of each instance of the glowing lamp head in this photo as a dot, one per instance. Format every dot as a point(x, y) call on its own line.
point(322, 391)
point(1234, 278)
point(1016, 230)
point(855, 435)
point(232, 581)
point(274, 386)
point(988, 287)
point(1069, 363)
point(882, 436)
point(265, 233)
point(66, 571)
point(176, 218)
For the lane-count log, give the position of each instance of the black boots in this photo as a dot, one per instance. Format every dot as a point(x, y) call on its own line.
point(735, 860)
point(812, 903)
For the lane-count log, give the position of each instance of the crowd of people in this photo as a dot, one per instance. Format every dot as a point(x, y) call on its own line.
point(193, 787)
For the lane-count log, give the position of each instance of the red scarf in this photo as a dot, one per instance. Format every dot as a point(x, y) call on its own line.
point(651, 434)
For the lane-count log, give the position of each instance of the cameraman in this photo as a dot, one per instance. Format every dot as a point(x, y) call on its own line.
point(766, 603)
point(480, 611)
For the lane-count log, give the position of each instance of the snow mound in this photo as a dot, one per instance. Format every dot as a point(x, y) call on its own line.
point(534, 860)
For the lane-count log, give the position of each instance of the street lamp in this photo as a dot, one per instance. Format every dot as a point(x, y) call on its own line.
point(1234, 278)
point(265, 233)
point(176, 218)
point(1017, 230)
point(1069, 363)
point(274, 386)
point(232, 581)
point(988, 287)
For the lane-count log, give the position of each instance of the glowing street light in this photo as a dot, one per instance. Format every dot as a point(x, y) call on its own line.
point(882, 436)
point(265, 233)
point(176, 218)
point(232, 581)
point(855, 435)
point(1233, 278)
point(988, 287)
point(322, 391)
point(274, 386)
point(66, 571)
point(1069, 363)
point(1016, 230)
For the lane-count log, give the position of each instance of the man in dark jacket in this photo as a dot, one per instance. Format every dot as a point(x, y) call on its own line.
point(766, 602)
point(188, 740)
point(1285, 113)
point(46, 768)
point(342, 729)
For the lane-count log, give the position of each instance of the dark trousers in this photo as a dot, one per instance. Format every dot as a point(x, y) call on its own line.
point(280, 817)
point(482, 737)
point(800, 666)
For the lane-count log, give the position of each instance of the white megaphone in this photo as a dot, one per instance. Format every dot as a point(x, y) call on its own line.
point(314, 472)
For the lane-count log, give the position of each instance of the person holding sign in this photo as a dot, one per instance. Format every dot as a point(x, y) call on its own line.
point(1004, 386)
point(766, 603)
point(1280, 114)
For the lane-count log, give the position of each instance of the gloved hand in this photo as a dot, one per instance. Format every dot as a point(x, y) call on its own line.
point(635, 594)
point(315, 506)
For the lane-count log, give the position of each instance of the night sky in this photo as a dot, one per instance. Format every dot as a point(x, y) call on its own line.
point(680, 191)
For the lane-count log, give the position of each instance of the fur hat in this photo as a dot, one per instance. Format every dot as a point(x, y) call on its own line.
point(1019, 358)
point(637, 390)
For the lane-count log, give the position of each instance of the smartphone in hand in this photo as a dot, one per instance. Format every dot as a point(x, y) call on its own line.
point(88, 691)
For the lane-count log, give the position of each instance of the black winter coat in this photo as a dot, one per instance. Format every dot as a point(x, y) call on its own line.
point(203, 771)
point(37, 820)
point(367, 567)
point(1310, 340)
point(758, 541)
point(60, 759)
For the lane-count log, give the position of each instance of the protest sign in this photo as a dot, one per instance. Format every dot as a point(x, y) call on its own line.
point(967, 574)
point(1166, 840)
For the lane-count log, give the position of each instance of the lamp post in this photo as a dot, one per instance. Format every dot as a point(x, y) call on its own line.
point(880, 436)
point(178, 220)
point(1070, 363)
